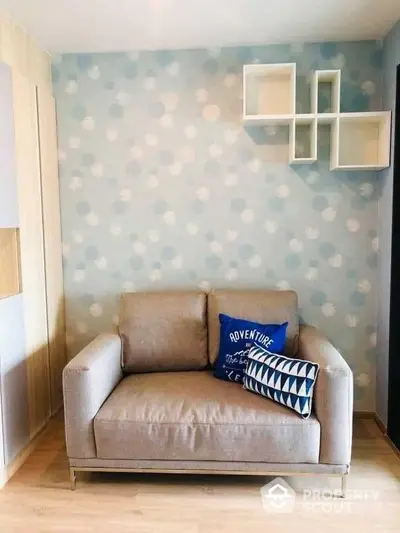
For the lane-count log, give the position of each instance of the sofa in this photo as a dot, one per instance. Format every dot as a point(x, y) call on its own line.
point(145, 399)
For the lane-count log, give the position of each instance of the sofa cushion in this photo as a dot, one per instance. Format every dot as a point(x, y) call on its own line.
point(163, 331)
point(236, 337)
point(265, 306)
point(282, 379)
point(193, 416)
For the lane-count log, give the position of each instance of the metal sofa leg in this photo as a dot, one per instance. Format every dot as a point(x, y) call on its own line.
point(72, 477)
point(343, 486)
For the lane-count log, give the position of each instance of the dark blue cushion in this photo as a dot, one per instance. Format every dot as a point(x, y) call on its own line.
point(236, 338)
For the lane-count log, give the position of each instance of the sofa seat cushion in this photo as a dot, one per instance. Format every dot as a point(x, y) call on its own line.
point(194, 416)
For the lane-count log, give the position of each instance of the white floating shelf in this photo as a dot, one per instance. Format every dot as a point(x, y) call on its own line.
point(269, 90)
point(364, 140)
point(326, 118)
point(268, 120)
point(302, 161)
point(359, 141)
point(305, 118)
point(325, 84)
point(303, 140)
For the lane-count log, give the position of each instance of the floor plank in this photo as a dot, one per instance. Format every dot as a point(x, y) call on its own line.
point(39, 500)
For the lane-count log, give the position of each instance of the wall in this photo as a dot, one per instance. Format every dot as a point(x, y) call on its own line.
point(28, 366)
point(391, 58)
point(162, 186)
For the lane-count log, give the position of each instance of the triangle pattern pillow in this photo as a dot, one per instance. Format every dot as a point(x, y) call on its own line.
point(287, 381)
point(237, 335)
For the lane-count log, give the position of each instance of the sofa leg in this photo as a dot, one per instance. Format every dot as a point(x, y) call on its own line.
point(72, 477)
point(343, 486)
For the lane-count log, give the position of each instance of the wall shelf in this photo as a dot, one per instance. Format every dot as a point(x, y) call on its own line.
point(303, 139)
point(269, 90)
point(359, 141)
point(325, 92)
point(364, 140)
point(268, 120)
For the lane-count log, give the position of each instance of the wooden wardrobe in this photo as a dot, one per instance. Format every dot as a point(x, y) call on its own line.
point(32, 326)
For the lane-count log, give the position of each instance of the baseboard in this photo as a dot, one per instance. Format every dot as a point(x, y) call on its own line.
point(383, 428)
point(21, 457)
point(392, 445)
point(381, 425)
point(57, 409)
point(364, 414)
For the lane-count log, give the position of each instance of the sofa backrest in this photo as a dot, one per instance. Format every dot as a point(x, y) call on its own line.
point(163, 331)
point(264, 306)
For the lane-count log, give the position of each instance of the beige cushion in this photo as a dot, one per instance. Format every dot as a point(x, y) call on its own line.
point(264, 306)
point(163, 331)
point(193, 416)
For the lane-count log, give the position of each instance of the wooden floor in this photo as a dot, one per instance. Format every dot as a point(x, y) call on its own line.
point(39, 500)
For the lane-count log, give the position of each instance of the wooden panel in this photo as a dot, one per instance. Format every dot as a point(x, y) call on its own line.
point(14, 46)
point(9, 262)
point(20, 51)
point(7, 43)
point(52, 241)
point(13, 377)
point(39, 66)
point(32, 249)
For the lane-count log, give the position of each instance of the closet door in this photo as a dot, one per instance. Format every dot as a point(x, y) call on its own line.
point(32, 250)
point(52, 242)
point(14, 376)
point(14, 424)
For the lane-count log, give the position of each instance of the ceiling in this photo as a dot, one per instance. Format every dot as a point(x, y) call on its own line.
point(106, 25)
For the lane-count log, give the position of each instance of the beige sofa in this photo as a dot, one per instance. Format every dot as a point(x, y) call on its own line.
point(159, 408)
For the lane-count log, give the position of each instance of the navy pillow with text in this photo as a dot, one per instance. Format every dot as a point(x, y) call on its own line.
point(236, 337)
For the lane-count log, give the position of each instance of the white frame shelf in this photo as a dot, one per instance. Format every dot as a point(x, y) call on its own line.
point(269, 93)
point(365, 133)
point(333, 78)
point(303, 121)
point(359, 141)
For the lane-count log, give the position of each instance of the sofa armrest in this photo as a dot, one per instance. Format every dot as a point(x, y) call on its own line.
point(333, 395)
point(88, 379)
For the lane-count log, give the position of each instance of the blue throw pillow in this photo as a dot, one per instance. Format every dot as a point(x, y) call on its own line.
point(282, 379)
point(236, 338)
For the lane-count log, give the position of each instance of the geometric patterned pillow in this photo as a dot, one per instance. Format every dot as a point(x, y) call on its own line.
point(282, 379)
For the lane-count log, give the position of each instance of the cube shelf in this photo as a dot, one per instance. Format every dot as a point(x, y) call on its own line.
point(303, 139)
point(269, 93)
point(325, 92)
point(358, 140)
point(364, 140)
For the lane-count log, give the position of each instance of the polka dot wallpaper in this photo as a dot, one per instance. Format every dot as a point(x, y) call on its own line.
point(162, 186)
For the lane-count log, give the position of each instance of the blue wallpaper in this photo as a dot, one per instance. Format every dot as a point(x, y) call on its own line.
point(162, 186)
